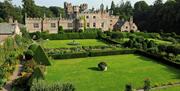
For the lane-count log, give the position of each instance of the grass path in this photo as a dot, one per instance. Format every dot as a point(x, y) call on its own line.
point(64, 43)
point(14, 76)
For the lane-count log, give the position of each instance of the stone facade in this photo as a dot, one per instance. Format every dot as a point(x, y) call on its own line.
point(79, 17)
point(126, 26)
point(9, 30)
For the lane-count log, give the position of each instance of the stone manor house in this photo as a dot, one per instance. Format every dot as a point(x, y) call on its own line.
point(79, 17)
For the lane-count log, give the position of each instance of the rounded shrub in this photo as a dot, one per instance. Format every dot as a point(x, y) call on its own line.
point(102, 66)
point(73, 43)
point(28, 54)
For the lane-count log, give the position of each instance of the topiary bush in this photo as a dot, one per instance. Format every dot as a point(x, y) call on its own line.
point(102, 66)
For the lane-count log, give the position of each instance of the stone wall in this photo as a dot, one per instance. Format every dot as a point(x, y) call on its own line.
point(34, 24)
point(66, 23)
point(3, 37)
point(50, 25)
point(99, 20)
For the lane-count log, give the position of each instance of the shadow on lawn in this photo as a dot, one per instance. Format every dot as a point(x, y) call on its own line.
point(94, 68)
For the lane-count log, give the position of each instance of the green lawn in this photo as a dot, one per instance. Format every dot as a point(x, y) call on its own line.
point(64, 43)
point(122, 69)
point(169, 89)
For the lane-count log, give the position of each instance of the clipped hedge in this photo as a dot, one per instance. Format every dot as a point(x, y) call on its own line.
point(110, 52)
point(90, 54)
point(110, 41)
point(69, 55)
point(65, 36)
point(39, 55)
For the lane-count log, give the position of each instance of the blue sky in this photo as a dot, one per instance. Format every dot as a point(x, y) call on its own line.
point(91, 3)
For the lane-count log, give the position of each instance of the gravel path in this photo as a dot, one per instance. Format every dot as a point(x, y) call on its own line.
point(8, 85)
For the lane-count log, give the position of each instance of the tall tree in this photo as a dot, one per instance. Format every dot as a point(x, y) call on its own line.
point(158, 2)
point(141, 13)
point(29, 7)
point(112, 7)
point(140, 6)
point(57, 11)
point(125, 10)
point(7, 10)
point(107, 8)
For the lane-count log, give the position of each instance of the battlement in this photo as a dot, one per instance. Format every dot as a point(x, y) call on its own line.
point(112, 16)
point(54, 18)
point(66, 19)
point(35, 19)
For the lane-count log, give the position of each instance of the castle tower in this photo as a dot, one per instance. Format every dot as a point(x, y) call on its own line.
point(25, 18)
point(102, 8)
point(44, 16)
point(131, 20)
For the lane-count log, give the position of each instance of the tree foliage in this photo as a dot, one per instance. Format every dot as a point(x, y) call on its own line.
point(160, 17)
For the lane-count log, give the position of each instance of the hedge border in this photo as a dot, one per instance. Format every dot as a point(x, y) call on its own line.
point(90, 54)
point(157, 57)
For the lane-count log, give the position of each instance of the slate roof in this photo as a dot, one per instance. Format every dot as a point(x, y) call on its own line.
point(120, 23)
point(6, 28)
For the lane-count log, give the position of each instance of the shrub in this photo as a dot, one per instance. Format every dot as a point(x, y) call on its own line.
point(28, 54)
point(110, 52)
point(60, 30)
point(69, 55)
point(147, 85)
point(40, 56)
point(71, 35)
point(102, 66)
point(43, 86)
point(153, 50)
point(22, 83)
point(35, 35)
point(128, 87)
point(156, 85)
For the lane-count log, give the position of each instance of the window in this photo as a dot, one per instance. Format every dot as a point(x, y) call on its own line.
point(126, 27)
point(102, 24)
point(53, 25)
point(87, 17)
point(36, 25)
point(94, 17)
point(80, 24)
point(94, 24)
point(133, 27)
point(70, 25)
point(88, 24)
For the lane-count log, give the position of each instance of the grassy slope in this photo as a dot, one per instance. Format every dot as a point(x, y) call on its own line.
point(63, 43)
point(122, 69)
point(169, 89)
